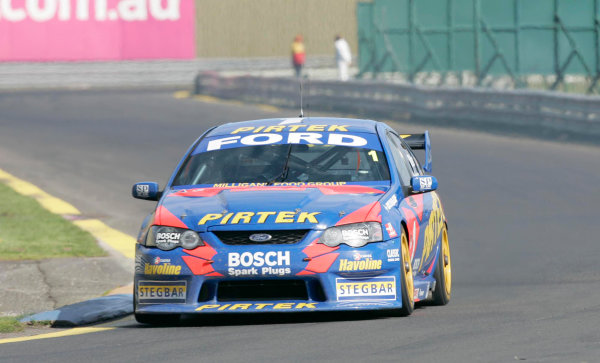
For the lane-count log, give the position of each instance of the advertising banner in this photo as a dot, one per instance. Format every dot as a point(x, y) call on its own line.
point(75, 30)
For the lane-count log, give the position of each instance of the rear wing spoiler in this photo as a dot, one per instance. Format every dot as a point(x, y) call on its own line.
point(420, 142)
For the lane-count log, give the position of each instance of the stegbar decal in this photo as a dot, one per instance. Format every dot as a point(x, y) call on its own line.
point(360, 140)
point(153, 292)
point(382, 288)
point(261, 217)
point(257, 306)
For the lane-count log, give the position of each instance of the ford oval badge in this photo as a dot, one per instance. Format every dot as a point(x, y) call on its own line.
point(260, 237)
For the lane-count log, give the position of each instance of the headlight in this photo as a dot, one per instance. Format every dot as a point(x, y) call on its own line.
point(354, 235)
point(168, 238)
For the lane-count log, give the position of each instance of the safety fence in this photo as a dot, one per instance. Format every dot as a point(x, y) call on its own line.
point(520, 112)
point(485, 39)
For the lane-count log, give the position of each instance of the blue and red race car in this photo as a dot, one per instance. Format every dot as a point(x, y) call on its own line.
point(294, 215)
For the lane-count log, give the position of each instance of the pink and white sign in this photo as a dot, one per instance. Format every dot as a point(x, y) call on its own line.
point(59, 30)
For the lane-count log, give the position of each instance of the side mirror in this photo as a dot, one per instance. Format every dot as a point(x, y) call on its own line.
point(146, 191)
point(423, 183)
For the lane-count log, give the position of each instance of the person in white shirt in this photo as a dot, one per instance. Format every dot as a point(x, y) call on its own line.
point(343, 56)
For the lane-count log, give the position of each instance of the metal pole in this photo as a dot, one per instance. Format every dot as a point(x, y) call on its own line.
point(597, 53)
point(476, 18)
point(556, 53)
point(517, 43)
point(450, 39)
point(411, 50)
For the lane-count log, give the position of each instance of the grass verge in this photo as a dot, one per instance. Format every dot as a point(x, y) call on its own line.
point(10, 324)
point(30, 232)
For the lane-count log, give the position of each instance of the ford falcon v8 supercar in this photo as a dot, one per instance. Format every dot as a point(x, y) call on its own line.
point(294, 215)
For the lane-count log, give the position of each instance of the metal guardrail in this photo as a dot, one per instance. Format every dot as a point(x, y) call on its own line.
point(532, 112)
point(135, 73)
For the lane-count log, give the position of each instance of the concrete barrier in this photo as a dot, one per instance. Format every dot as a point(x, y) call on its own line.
point(136, 74)
point(535, 113)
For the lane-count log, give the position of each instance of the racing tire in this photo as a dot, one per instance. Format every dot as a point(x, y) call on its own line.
point(443, 273)
point(157, 319)
point(406, 278)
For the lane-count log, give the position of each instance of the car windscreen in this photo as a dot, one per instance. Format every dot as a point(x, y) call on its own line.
point(272, 164)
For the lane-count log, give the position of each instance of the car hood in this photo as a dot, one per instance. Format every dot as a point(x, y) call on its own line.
point(268, 207)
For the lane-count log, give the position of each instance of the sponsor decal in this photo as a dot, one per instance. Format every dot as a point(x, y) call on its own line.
point(259, 263)
point(142, 190)
point(260, 217)
point(390, 230)
point(165, 269)
point(158, 260)
point(425, 182)
point(167, 240)
point(291, 128)
point(52, 30)
point(391, 203)
point(416, 265)
point(281, 184)
point(84, 10)
point(290, 138)
point(257, 306)
point(377, 288)
point(368, 264)
point(260, 237)
point(421, 294)
point(393, 255)
point(434, 227)
point(359, 256)
point(152, 292)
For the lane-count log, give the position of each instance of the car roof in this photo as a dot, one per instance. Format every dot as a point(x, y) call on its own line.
point(243, 127)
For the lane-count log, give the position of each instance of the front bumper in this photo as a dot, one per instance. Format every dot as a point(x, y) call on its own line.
point(304, 276)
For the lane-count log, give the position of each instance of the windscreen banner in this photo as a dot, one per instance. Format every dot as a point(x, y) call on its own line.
point(76, 30)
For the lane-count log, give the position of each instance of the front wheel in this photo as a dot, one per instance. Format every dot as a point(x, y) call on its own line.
point(443, 273)
point(406, 277)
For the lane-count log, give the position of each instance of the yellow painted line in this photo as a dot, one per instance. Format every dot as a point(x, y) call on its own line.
point(205, 98)
point(181, 94)
point(123, 243)
point(57, 206)
point(268, 108)
point(47, 201)
point(58, 334)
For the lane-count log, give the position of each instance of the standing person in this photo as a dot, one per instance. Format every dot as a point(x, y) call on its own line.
point(343, 56)
point(298, 54)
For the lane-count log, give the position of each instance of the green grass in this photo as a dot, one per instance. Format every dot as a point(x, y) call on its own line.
point(30, 232)
point(10, 324)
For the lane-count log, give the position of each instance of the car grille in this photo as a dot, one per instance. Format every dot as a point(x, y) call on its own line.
point(260, 290)
point(282, 237)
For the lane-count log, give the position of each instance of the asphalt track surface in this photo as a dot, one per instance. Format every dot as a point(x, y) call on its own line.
point(524, 224)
